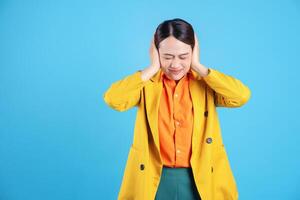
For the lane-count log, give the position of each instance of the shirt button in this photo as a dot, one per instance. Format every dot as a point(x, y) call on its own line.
point(176, 95)
point(177, 123)
point(178, 151)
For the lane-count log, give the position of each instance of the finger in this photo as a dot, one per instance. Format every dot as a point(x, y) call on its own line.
point(152, 43)
point(196, 40)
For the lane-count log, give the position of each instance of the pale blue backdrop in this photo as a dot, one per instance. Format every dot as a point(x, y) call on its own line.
point(59, 140)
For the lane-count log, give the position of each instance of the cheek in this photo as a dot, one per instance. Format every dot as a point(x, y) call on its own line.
point(187, 62)
point(165, 63)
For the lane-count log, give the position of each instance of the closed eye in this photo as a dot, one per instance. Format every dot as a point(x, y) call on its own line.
point(183, 58)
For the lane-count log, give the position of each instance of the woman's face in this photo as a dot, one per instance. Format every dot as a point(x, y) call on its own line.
point(175, 57)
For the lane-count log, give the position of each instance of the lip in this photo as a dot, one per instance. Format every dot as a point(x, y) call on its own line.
point(175, 72)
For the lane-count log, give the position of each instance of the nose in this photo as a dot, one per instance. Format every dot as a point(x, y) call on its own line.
point(175, 64)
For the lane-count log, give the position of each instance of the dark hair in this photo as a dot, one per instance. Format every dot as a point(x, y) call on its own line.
point(178, 28)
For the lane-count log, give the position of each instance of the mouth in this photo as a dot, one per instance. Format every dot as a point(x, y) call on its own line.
point(175, 72)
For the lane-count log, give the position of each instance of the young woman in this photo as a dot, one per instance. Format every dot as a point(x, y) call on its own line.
point(177, 150)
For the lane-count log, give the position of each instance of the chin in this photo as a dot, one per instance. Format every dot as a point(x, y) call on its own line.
point(177, 76)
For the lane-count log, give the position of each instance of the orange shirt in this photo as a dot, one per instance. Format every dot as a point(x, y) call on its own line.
point(175, 122)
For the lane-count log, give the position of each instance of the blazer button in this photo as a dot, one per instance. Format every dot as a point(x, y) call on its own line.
point(206, 113)
point(142, 166)
point(208, 140)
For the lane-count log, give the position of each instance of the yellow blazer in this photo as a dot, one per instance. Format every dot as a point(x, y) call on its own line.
point(210, 165)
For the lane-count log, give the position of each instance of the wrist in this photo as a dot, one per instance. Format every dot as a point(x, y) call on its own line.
point(148, 72)
point(201, 69)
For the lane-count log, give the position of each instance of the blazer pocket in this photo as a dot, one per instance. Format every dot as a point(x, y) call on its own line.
point(134, 175)
point(224, 181)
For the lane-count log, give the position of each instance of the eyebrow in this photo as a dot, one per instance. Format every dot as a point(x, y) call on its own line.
point(168, 54)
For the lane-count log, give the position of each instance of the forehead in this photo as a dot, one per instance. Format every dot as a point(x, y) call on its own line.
point(171, 45)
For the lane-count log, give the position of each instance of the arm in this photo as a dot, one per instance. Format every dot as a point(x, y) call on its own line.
point(228, 91)
point(125, 93)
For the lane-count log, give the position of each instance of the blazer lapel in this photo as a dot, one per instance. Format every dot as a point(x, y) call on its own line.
point(197, 91)
point(153, 93)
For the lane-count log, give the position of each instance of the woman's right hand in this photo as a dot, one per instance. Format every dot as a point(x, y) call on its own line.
point(150, 71)
point(154, 56)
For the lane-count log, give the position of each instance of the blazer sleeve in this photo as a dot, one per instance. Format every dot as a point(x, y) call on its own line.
point(125, 93)
point(228, 91)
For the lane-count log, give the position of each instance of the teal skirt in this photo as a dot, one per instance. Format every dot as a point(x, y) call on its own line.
point(177, 184)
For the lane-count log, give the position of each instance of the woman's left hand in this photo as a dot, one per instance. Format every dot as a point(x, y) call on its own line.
point(201, 69)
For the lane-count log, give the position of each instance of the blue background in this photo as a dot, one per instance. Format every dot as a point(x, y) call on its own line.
point(59, 140)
